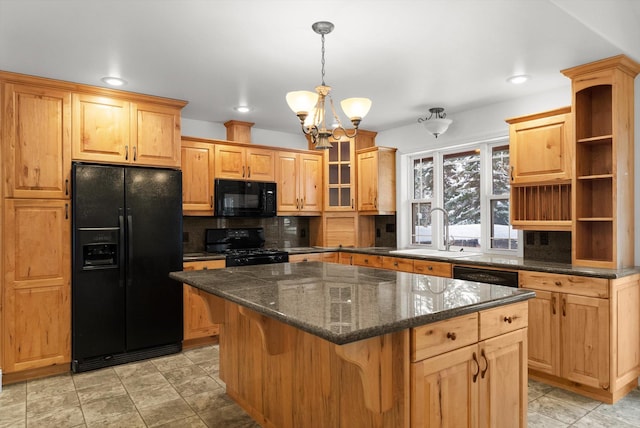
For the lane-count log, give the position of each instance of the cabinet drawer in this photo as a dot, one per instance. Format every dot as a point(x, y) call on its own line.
point(580, 285)
point(396, 263)
point(366, 260)
point(205, 264)
point(311, 257)
point(494, 322)
point(331, 257)
point(443, 336)
point(427, 267)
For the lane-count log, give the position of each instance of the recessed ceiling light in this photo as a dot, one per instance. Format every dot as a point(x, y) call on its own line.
point(114, 81)
point(242, 109)
point(518, 79)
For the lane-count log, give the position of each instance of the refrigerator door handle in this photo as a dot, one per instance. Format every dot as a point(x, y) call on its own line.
point(121, 249)
point(130, 247)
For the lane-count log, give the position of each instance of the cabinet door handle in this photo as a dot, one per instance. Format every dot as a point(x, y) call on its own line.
point(375, 203)
point(66, 211)
point(486, 364)
point(297, 203)
point(301, 203)
point(475, 360)
point(66, 187)
point(512, 173)
point(126, 153)
point(242, 171)
point(211, 203)
point(135, 153)
point(564, 307)
point(249, 172)
point(351, 203)
point(553, 305)
point(451, 335)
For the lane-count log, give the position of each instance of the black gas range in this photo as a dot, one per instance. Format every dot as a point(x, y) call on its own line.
point(242, 246)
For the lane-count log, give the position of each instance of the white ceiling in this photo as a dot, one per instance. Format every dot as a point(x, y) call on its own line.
point(406, 55)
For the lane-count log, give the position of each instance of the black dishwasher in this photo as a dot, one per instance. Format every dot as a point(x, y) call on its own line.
point(489, 276)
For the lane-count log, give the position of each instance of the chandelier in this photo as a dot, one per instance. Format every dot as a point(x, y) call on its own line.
point(436, 125)
point(310, 106)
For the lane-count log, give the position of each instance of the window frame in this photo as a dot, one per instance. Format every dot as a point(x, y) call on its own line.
point(405, 229)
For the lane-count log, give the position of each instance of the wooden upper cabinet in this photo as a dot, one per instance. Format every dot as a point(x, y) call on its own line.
point(197, 177)
point(101, 129)
point(36, 142)
point(238, 162)
point(541, 147)
point(115, 130)
point(299, 178)
point(157, 135)
point(377, 180)
point(340, 176)
point(37, 281)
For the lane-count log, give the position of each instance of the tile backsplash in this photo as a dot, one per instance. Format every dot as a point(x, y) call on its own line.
point(279, 232)
point(547, 246)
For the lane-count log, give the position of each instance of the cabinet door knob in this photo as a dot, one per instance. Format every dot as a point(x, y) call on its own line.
point(558, 283)
point(451, 335)
point(429, 267)
point(508, 320)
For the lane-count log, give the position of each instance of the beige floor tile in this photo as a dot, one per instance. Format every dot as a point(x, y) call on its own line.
point(106, 376)
point(100, 392)
point(136, 383)
point(536, 420)
point(171, 362)
point(170, 411)
point(135, 369)
point(153, 396)
point(556, 409)
point(130, 419)
point(59, 418)
point(204, 354)
point(197, 386)
point(208, 400)
point(626, 409)
point(36, 407)
point(182, 375)
point(13, 414)
point(13, 394)
point(228, 417)
point(107, 409)
point(573, 398)
point(54, 385)
point(192, 422)
point(597, 420)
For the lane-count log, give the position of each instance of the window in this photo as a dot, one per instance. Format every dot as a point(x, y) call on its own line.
point(472, 185)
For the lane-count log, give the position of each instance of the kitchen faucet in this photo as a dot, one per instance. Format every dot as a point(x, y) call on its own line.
point(447, 244)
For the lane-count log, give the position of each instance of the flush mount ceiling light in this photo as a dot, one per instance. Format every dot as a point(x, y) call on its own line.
point(242, 109)
point(310, 106)
point(518, 79)
point(114, 81)
point(436, 124)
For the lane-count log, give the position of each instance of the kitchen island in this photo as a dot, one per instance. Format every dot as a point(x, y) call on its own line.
point(321, 344)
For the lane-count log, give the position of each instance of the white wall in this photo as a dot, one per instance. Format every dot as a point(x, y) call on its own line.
point(475, 125)
point(217, 131)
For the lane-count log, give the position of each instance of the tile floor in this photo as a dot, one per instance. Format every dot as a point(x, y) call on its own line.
point(184, 390)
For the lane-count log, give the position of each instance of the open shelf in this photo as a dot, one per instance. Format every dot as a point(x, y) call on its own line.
point(594, 157)
point(593, 112)
point(594, 198)
point(593, 240)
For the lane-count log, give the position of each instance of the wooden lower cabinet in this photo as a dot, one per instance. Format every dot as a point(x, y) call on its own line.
point(479, 385)
point(36, 303)
point(197, 324)
point(581, 342)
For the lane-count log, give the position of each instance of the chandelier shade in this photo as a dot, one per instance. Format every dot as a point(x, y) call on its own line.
point(310, 106)
point(436, 124)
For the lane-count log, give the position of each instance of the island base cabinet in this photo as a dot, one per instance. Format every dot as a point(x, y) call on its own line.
point(284, 377)
point(483, 385)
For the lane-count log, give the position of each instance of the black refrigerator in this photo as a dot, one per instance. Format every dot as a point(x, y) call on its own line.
point(127, 237)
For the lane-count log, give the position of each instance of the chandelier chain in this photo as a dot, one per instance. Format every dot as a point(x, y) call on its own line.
point(323, 60)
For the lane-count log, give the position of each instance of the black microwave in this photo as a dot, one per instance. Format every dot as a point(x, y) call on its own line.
point(237, 198)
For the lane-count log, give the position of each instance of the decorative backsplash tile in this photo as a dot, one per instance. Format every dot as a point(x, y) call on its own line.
point(547, 246)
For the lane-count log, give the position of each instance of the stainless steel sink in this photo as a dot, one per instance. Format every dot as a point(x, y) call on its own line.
point(452, 254)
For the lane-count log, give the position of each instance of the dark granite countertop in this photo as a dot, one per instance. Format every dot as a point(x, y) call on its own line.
point(499, 261)
point(342, 303)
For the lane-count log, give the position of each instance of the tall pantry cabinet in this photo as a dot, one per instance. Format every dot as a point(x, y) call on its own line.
point(44, 125)
point(36, 227)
